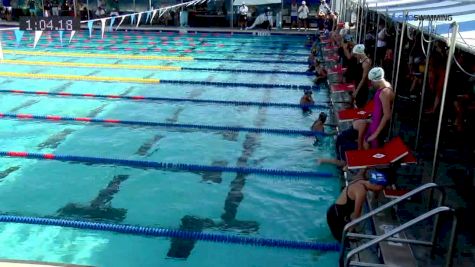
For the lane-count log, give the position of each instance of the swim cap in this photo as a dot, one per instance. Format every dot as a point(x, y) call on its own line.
point(322, 117)
point(377, 178)
point(376, 74)
point(303, 3)
point(307, 91)
point(348, 37)
point(358, 49)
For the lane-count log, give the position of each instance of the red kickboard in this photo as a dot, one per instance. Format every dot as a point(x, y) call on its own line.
point(356, 113)
point(353, 114)
point(337, 70)
point(342, 87)
point(331, 58)
point(391, 152)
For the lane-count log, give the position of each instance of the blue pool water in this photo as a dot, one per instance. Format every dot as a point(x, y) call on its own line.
point(281, 207)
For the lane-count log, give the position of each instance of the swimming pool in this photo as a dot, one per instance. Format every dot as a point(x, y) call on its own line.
point(249, 205)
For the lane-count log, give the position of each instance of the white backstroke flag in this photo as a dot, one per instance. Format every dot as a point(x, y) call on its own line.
point(37, 38)
point(103, 27)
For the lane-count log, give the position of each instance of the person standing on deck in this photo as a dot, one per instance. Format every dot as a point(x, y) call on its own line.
point(383, 105)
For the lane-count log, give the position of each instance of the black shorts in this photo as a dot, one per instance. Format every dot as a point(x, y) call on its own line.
point(242, 18)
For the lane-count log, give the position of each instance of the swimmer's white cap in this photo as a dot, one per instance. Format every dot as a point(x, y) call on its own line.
point(358, 49)
point(376, 74)
point(303, 3)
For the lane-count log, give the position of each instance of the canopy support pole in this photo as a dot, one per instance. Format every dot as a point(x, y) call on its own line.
point(424, 83)
point(376, 38)
point(453, 38)
point(401, 42)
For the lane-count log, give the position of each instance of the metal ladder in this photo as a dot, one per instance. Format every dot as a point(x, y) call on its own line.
point(375, 239)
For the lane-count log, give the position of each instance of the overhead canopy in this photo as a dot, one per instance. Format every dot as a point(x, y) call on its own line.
point(256, 2)
point(460, 11)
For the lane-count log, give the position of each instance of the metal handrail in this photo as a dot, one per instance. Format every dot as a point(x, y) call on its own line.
point(408, 224)
point(370, 214)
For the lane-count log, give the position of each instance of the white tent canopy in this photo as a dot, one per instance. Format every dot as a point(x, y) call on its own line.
point(461, 11)
point(256, 2)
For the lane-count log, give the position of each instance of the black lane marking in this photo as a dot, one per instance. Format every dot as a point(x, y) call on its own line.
point(145, 148)
point(24, 105)
point(181, 248)
point(55, 140)
point(100, 207)
point(10, 170)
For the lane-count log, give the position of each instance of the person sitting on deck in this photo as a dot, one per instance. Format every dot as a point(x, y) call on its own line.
point(264, 20)
point(307, 101)
point(350, 203)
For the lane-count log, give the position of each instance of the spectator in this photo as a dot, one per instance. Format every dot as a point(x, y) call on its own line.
point(303, 15)
point(293, 14)
point(243, 12)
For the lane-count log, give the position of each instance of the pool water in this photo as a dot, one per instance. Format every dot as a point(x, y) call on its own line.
point(255, 205)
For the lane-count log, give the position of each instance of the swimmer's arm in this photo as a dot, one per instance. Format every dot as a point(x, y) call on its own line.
point(359, 200)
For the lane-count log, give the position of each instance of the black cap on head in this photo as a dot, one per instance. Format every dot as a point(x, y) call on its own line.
point(322, 117)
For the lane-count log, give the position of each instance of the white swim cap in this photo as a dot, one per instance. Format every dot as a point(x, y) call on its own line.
point(358, 49)
point(303, 3)
point(376, 74)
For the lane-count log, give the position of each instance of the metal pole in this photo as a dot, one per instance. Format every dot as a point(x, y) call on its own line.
point(365, 22)
point(149, 4)
point(391, 122)
point(43, 4)
point(357, 22)
point(424, 83)
point(455, 28)
point(394, 51)
point(376, 38)
point(74, 7)
point(231, 20)
point(362, 16)
point(400, 52)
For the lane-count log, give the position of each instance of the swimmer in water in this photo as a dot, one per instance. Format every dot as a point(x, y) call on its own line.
point(307, 101)
point(318, 126)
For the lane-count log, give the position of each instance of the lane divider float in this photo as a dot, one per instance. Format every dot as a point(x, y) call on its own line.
point(172, 233)
point(166, 165)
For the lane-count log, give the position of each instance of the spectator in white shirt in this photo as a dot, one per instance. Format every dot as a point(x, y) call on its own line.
point(303, 15)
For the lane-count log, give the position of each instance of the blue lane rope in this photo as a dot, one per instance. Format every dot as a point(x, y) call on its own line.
point(169, 166)
point(171, 233)
point(250, 71)
point(252, 85)
point(151, 49)
point(169, 99)
point(252, 60)
point(164, 124)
